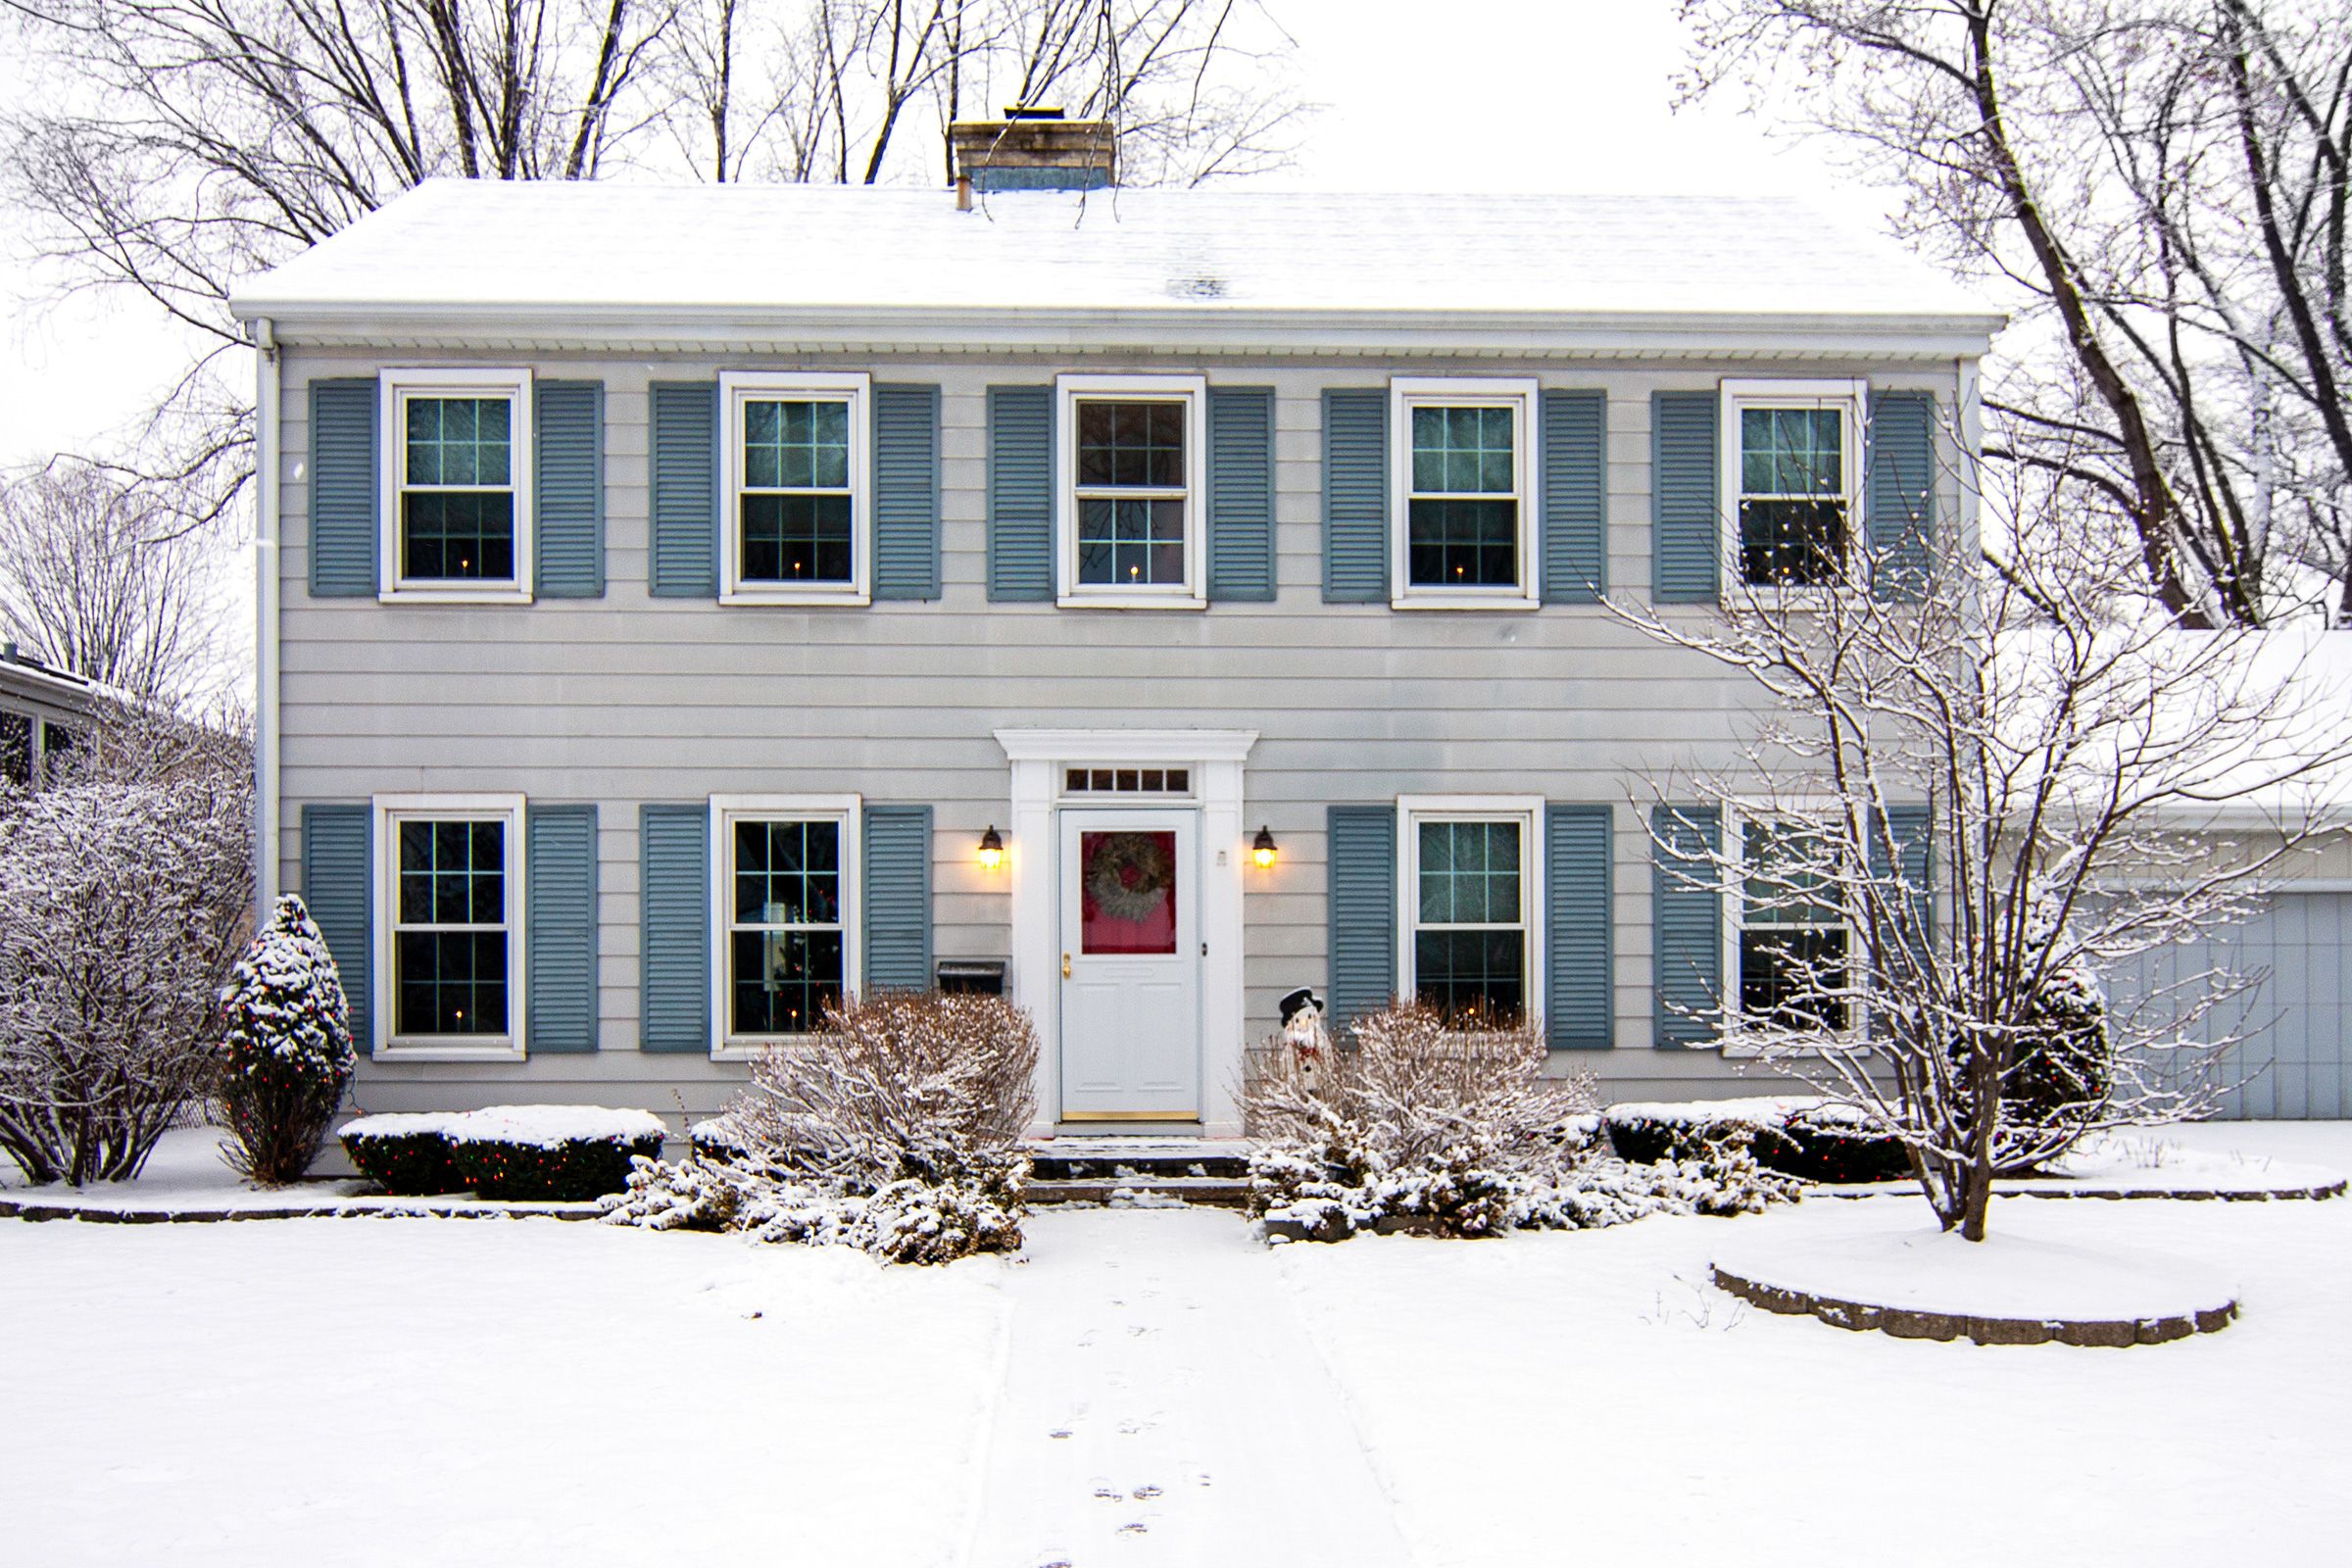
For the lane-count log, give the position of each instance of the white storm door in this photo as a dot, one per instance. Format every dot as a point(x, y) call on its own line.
point(1130, 966)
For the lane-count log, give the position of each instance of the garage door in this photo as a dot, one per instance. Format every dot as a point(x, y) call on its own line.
point(2297, 1064)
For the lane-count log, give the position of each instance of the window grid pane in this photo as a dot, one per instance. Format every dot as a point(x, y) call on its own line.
point(1470, 939)
point(795, 510)
point(451, 955)
point(1791, 452)
point(1472, 977)
point(1792, 977)
point(1469, 873)
point(1130, 446)
point(785, 945)
point(1131, 543)
point(460, 442)
point(1463, 451)
point(1463, 544)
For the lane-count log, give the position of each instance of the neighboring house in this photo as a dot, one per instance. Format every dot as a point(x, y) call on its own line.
point(44, 714)
point(682, 592)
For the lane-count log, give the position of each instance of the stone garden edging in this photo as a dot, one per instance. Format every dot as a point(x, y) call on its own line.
point(1911, 1323)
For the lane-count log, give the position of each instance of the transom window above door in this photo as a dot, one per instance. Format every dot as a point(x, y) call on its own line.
point(1130, 505)
point(1795, 473)
point(455, 512)
point(1465, 495)
point(798, 498)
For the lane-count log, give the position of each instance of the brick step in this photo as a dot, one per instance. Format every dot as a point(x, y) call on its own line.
point(1141, 1191)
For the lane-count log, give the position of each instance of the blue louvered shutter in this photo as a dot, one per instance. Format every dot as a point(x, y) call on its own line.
point(345, 489)
point(683, 559)
point(1241, 492)
point(675, 994)
point(1687, 920)
point(1910, 831)
point(1686, 508)
point(1020, 492)
point(897, 897)
point(906, 492)
point(338, 853)
point(560, 928)
point(567, 506)
point(1578, 1011)
point(1900, 505)
point(1355, 495)
point(1575, 486)
point(1364, 911)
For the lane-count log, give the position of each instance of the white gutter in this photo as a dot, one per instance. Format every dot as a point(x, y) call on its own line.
point(264, 557)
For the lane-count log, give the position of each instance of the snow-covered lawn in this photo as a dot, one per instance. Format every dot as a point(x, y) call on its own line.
point(1148, 1388)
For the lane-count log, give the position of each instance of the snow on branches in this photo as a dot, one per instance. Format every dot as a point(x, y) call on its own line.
point(286, 1051)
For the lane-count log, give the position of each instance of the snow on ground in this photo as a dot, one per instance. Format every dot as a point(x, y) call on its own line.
point(185, 1171)
point(348, 1392)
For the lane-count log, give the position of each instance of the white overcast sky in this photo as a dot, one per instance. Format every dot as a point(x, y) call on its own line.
point(1495, 95)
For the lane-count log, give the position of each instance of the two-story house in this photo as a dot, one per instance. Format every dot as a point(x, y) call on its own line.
point(685, 605)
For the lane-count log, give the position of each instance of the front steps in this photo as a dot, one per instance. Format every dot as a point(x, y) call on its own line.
point(1123, 1172)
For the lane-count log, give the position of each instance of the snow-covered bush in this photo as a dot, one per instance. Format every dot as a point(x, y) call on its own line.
point(2062, 1074)
point(543, 1153)
point(1805, 1136)
point(123, 889)
point(896, 1130)
point(287, 1049)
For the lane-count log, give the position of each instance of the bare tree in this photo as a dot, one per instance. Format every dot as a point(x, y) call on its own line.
point(2164, 183)
point(95, 580)
point(1959, 809)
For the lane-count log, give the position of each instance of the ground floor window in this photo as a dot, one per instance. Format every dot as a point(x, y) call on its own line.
point(1469, 889)
point(1794, 942)
point(453, 922)
point(788, 887)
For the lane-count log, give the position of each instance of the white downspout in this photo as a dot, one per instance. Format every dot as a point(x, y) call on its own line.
point(265, 596)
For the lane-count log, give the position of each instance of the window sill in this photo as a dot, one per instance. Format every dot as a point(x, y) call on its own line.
point(753, 1050)
point(1456, 598)
point(1123, 601)
point(798, 598)
point(400, 1050)
point(1837, 1046)
point(454, 596)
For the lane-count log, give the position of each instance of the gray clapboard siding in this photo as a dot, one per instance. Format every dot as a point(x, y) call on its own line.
point(1686, 507)
point(1355, 495)
point(1579, 982)
point(674, 898)
point(344, 497)
point(1240, 493)
point(1362, 910)
point(897, 896)
point(567, 506)
point(338, 855)
point(1687, 922)
point(1575, 496)
point(684, 490)
point(1020, 493)
point(906, 492)
point(560, 928)
point(1899, 509)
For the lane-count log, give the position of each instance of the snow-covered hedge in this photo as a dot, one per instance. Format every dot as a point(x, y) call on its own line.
point(287, 1049)
point(1805, 1136)
point(523, 1153)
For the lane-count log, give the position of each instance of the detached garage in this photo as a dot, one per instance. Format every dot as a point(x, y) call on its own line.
point(2297, 1063)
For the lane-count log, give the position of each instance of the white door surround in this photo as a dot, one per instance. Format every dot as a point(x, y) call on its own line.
point(1033, 858)
point(1131, 956)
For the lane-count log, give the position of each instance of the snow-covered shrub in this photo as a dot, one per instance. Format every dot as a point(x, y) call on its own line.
point(2063, 1072)
point(542, 1153)
point(896, 1130)
point(123, 890)
point(1720, 1177)
point(1798, 1135)
point(287, 1049)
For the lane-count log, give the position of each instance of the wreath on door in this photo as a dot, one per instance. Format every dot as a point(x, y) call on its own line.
point(1129, 875)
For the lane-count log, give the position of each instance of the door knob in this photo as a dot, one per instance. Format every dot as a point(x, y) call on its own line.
point(1065, 966)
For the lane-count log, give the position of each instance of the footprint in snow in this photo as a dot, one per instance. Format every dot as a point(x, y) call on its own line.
point(1145, 1493)
point(1136, 1529)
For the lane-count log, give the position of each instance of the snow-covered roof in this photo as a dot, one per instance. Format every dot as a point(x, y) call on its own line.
point(613, 255)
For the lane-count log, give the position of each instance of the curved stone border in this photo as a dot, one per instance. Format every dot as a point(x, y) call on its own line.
point(2084, 1191)
point(1909, 1323)
point(339, 1209)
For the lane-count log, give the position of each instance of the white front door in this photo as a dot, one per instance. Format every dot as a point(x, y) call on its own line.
point(1130, 966)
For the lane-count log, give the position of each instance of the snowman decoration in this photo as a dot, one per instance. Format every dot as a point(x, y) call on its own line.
point(1303, 1032)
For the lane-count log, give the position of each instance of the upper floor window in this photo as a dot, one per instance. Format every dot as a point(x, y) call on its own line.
point(15, 749)
point(1131, 494)
point(457, 517)
point(798, 496)
point(452, 925)
point(1469, 886)
point(1796, 944)
point(1466, 493)
point(1792, 453)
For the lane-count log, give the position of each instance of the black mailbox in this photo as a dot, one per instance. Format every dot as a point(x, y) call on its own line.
point(978, 977)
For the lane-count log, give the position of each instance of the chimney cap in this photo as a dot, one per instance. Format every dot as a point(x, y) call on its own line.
point(1034, 112)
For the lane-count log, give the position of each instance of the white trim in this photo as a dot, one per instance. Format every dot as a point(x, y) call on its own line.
point(388, 811)
point(396, 384)
point(735, 389)
point(849, 812)
point(1526, 809)
point(1851, 397)
point(1031, 855)
point(1519, 394)
point(267, 455)
point(1192, 393)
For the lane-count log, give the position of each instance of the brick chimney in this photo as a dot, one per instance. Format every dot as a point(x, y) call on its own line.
point(1032, 149)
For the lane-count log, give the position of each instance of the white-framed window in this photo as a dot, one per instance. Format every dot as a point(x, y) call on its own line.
point(456, 491)
point(20, 752)
point(785, 914)
point(1792, 467)
point(1470, 884)
point(1131, 505)
point(1462, 488)
point(449, 926)
point(1791, 939)
point(796, 470)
